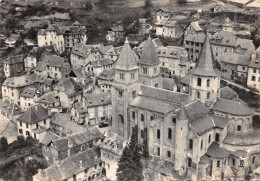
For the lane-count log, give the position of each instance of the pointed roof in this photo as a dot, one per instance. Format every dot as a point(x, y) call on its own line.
point(205, 65)
point(149, 55)
point(182, 114)
point(127, 59)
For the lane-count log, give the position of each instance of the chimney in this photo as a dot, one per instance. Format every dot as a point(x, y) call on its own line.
point(80, 164)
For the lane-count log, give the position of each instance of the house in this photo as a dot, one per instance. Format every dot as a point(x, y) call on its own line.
point(84, 165)
point(30, 62)
point(98, 106)
point(51, 36)
point(34, 122)
point(109, 52)
point(175, 59)
point(116, 33)
point(235, 66)
point(168, 28)
point(14, 65)
point(104, 79)
point(73, 35)
point(163, 14)
point(98, 66)
point(193, 28)
point(12, 87)
point(11, 110)
point(57, 150)
point(193, 43)
point(12, 40)
point(56, 67)
point(28, 97)
point(82, 54)
point(69, 91)
point(253, 80)
point(51, 101)
point(111, 150)
point(79, 113)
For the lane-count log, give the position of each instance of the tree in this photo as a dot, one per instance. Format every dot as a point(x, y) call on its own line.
point(3, 144)
point(130, 166)
point(147, 4)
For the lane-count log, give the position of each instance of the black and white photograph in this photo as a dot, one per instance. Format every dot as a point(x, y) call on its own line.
point(129, 90)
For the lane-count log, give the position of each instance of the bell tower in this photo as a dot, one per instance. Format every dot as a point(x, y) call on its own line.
point(124, 89)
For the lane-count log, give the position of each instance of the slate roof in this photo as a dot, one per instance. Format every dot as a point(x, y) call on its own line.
point(204, 159)
point(200, 38)
point(226, 38)
point(196, 110)
point(11, 108)
point(34, 114)
point(14, 59)
point(13, 37)
point(104, 49)
point(97, 99)
point(232, 107)
point(205, 65)
point(235, 58)
point(196, 26)
point(127, 59)
point(69, 86)
point(228, 93)
point(48, 98)
point(240, 153)
point(82, 50)
point(54, 61)
point(209, 122)
point(216, 151)
point(182, 113)
point(101, 62)
point(255, 59)
point(49, 137)
point(111, 139)
point(20, 81)
point(168, 83)
point(243, 139)
point(173, 52)
point(80, 108)
point(69, 166)
point(107, 74)
point(149, 55)
point(28, 92)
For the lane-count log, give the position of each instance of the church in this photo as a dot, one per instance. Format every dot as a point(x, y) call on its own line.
point(206, 133)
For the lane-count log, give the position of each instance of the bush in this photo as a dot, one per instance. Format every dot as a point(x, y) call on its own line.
point(3, 144)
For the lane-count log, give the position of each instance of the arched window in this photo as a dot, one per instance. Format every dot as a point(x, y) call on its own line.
point(201, 144)
point(142, 117)
point(218, 163)
point(198, 95)
point(217, 137)
point(199, 82)
point(233, 162)
point(208, 95)
point(174, 120)
point(158, 134)
point(169, 154)
point(121, 118)
point(253, 159)
point(158, 151)
point(239, 128)
point(169, 133)
point(208, 83)
point(133, 115)
point(209, 138)
point(190, 144)
point(189, 162)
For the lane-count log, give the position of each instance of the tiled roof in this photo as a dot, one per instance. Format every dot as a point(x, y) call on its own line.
point(196, 110)
point(127, 59)
point(173, 52)
point(48, 98)
point(107, 74)
point(54, 61)
point(226, 38)
point(20, 81)
point(69, 166)
point(232, 107)
point(168, 83)
point(209, 122)
point(34, 114)
point(168, 22)
point(205, 65)
point(216, 151)
point(28, 92)
point(70, 87)
point(113, 139)
point(104, 49)
point(228, 93)
point(149, 55)
point(14, 59)
point(243, 139)
point(204, 159)
point(196, 26)
point(97, 99)
point(101, 62)
point(235, 58)
point(82, 50)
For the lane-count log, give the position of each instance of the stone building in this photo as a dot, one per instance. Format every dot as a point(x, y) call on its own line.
point(253, 80)
point(14, 66)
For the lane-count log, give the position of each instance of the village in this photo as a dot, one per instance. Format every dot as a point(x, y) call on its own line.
point(175, 82)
